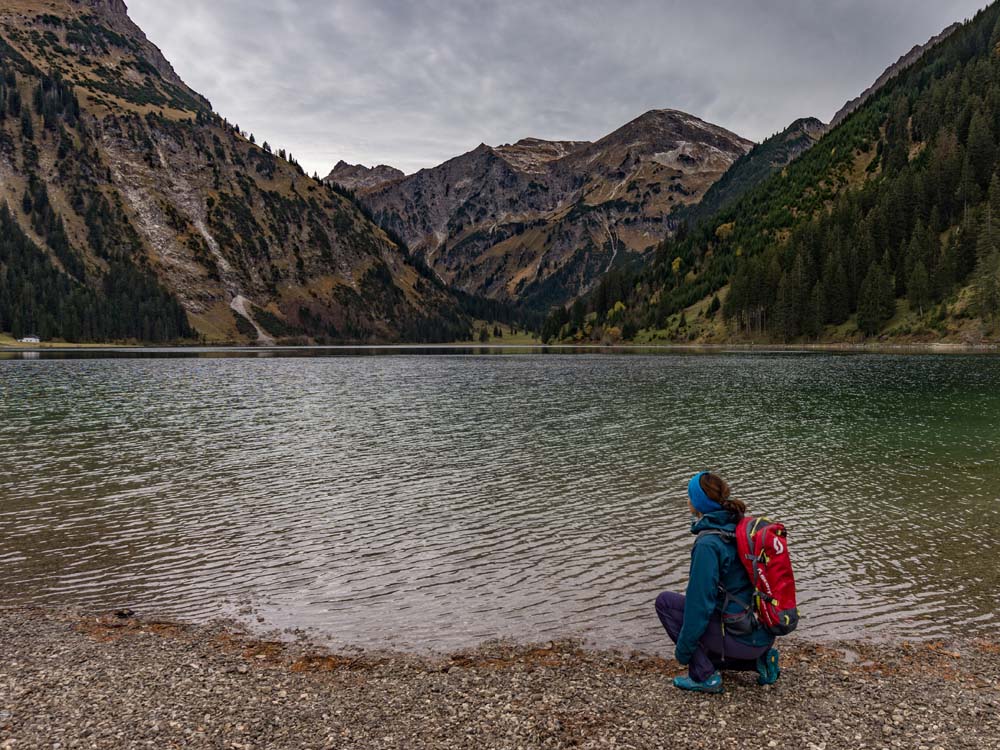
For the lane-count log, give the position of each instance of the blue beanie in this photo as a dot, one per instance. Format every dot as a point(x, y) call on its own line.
point(701, 502)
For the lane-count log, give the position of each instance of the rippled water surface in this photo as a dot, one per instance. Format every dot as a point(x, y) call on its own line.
point(437, 501)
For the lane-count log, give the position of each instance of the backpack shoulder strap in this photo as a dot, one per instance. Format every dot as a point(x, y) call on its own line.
point(726, 536)
point(729, 537)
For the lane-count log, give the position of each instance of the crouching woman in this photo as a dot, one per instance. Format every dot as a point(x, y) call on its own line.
point(713, 625)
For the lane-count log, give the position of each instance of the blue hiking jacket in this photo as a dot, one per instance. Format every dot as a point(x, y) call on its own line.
point(714, 560)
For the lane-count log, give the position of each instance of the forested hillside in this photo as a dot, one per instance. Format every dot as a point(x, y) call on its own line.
point(889, 226)
point(129, 210)
point(753, 168)
point(55, 296)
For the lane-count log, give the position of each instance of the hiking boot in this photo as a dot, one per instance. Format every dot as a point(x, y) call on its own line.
point(768, 671)
point(712, 685)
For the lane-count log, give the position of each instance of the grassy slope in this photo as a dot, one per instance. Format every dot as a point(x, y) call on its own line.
point(9, 342)
point(507, 337)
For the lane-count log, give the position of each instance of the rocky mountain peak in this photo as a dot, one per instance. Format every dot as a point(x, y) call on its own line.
point(114, 7)
point(671, 123)
point(665, 115)
point(113, 15)
point(671, 138)
point(672, 119)
point(532, 155)
point(811, 128)
point(808, 124)
point(359, 177)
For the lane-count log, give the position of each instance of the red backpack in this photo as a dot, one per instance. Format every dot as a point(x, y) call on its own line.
point(762, 547)
point(763, 550)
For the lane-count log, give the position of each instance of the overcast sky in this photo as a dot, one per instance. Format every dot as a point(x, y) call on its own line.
point(412, 83)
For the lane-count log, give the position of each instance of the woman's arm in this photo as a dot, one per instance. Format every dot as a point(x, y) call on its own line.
point(700, 599)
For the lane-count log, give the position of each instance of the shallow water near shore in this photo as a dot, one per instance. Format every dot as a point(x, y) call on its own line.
point(433, 502)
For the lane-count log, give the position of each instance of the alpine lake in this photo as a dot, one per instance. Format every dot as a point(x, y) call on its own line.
point(434, 499)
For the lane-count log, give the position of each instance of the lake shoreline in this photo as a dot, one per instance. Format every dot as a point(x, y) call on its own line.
point(856, 348)
point(89, 680)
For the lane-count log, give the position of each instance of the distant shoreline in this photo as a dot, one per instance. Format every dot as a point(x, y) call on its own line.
point(92, 679)
point(872, 348)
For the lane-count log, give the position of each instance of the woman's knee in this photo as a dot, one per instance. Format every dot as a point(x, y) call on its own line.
point(669, 601)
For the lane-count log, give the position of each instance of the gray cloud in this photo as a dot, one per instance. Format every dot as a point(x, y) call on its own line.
point(413, 83)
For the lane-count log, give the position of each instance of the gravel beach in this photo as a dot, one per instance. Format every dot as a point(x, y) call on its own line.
point(73, 681)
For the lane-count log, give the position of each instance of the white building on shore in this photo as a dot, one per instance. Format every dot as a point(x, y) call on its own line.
point(31, 339)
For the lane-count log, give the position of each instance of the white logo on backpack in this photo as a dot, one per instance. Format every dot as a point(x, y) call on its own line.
point(778, 546)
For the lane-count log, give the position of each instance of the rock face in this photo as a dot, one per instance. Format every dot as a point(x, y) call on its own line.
point(358, 177)
point(533, 155)
point(537, 222)
point(139, 173)
point(105, 7)
point(113, 14)
point(891, 72)
point(810, 127)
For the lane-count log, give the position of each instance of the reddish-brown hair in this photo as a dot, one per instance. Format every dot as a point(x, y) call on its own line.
point(718, 490)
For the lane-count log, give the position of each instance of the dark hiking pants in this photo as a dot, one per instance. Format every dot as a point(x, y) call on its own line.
point(708, 657)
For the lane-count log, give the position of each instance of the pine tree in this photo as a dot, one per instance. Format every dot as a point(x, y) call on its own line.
point(987, 284)
point(787, 309)
point(837, 292)
point(919, 288)
point(872, 304)
point(815, 312)
point(947, 271)
point(897, 150)
point(917, 249)
point(968, 193)
point(578, 313)
point(988, 237)
point(994, 198)
point(801, 285)
point(981, 149)
point(889, 284)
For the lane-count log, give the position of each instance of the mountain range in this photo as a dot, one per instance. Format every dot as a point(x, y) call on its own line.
point(536, 222)
point(131, 211)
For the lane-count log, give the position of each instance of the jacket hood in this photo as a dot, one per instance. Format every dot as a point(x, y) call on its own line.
point(720, 520)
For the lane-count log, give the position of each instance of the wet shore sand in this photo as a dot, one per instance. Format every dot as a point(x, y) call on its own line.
point(73, 681)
